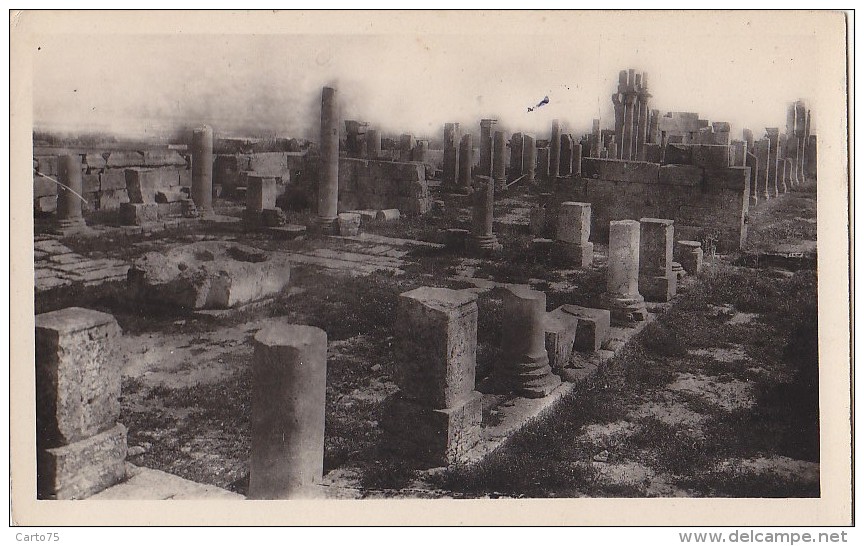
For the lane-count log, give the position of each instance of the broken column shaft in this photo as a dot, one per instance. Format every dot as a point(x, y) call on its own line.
point(328, 172)
point(483, 238)
point(202, 170)
point(525, 364)
point(622, 296)
point(657, 281)
point(555, 150)
point(69, 214)
point(466, 161)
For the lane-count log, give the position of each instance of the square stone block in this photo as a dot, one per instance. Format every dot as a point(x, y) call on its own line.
point(349, 224)
point(137, 214)
point(142, 185)
point(575, 255)
point(47, 203)
point(112, 199)
point(437, 343)
point(434, 436)
point(77, 377)
point(593, 328)
point(43, 187)
point(112, 179)
point(574, 223)
point(658, 288)
point(560, 335)
point(90, 183)
point(261, 193)
point(83, 468)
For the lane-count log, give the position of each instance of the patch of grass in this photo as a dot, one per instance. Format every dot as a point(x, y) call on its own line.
point(748, 485)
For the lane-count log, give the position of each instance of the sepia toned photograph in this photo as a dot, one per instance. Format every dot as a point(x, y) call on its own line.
point(485, 256)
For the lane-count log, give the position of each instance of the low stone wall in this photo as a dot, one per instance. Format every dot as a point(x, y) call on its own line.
point(708, 203)
point(104, 177)
point(369, 184)
point(230, 170)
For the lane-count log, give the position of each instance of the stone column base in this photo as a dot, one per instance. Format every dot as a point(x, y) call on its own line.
point(531, 376)
point(658, 288)
point(485, 244)
point(325, 225)
point(70, 226)
point(678, 270)
point(433, 436)
point(84, 468)
point(624, 309)
point(575, 254)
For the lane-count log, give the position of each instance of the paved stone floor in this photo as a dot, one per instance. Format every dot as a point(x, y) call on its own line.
point(56, 265)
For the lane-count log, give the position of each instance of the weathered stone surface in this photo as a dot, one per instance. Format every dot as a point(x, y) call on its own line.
point(289, 383)
point(593, 328)
point(48, 164)
point(387, 215)
point(90, 183)
point(620, 171)
point(80, 469)
point(138, 214)
point(125, 159)
point(209, 275)
point(202, 169)
point(574, 222)
point(437, 331)
point(112, 179)
point(525, 366)
point(141, 184)
point(43, 187)
point(349, 223)
point(711, 156)
point(689, 254)
point(274, 217)
point(261, 193)
point(560, 335)
point(622, 296)
point(435, 436)
point(163, 158)
point(95, 161)
point(657, 282)
point(45, 204)
point(77, 378)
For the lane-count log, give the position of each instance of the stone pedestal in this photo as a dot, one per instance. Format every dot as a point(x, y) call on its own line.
point(525, 366)
point(622, 297)
point(572, 232)
point(289, 380)
point(328, 170)
point(202, 170)
point(437, 414)
point(81, 449)
point(260, 193)
point(70, 217)
point(555, 150)
point(349, 224)
point(657, 281)
point(689, 254)
point(483, 240)
point(466, 161)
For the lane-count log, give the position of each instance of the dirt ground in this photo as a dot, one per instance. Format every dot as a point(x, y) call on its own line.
point(704, 402)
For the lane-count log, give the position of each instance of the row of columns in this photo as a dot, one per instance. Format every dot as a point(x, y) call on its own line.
point(631, 114)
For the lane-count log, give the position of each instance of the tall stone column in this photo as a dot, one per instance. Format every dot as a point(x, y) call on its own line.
point(202, 169)
point(328, 172)
point(543, 163)
point(555, 150)
point(619, 103)
point(773, 135)
point(642, 125)
point(499, 161)
point(529, 158)
point(525, 362)
point(629, 122)
point(420, 151)
point(407, 142)
point(466, 161)
point(622, 296)
point(577, 160)
point(596, 143)
point(483, 238)
point(289, 381)
point(801, 133)
point(450, 167)
point(755, 175)
point(373, 144)
point(763, 153)
point(572, 233)
point(782, 173)
point(80, 446)
point(516, 156)
point(437, 412)
point(486, 146)
point(69, 214)
point(653, 127)
point(657, 281)
point(565, 163)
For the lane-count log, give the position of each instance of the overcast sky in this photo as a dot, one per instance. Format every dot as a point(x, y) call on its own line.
point(744, 73)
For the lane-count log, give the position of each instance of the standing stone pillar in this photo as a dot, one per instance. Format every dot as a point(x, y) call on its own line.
point(801, 134)
point(69, 213)
point(499, 163)
point(483, 238)
point(654, 127)
point(689, 255)
point(202, 169)
point(406, 146)
point(576, 170)
point(80, 447)
point(486, 146)
point(812, 157)
point(782, 172)
point(755, 176)
point(773, 135)
point(450, 164)
point(565, 162)
point(328, 172)
point(763, 148)
point(596, 144)
point(525, 363)
point(420, 151)
point(572, 233)
point(529, 158)
point(619, 103)
point(437, 413)
point(466, 161)
point(629, 122)
point(555, 150)
point(657, 281)
point(622, 296)
point(642, 123)
point(289, 381)
point(543, 163)
point(373, 144)
point(516, 156)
